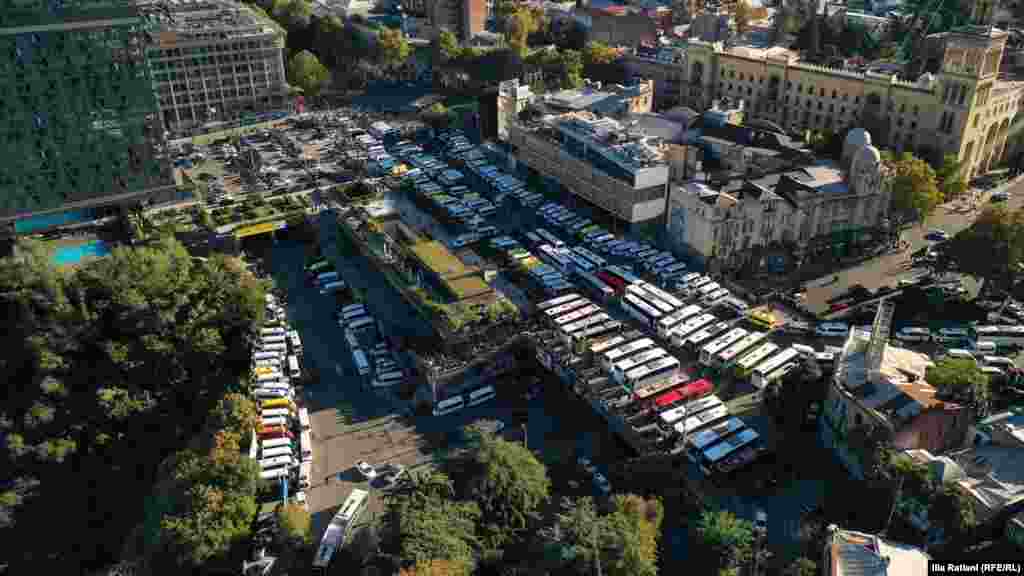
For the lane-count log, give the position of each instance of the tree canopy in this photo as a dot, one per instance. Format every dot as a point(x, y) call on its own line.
point(998, 234)
point(393, 47)
point(914, 187)
point(960, 378)
point(730, 539)
point(519, 25)
point(130, 351)
point(306, 72)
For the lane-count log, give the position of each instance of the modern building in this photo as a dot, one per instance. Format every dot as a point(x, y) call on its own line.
point(964, 109)
point(605, 100)
point(621, 171)
point(800, 208)
point(663, 65)
point(214, 60)
point(79, 125)
point(849, 553)
point(880, 386)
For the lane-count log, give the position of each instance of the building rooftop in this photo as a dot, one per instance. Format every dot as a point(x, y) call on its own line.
point(595, 97)
point(184, 20)
point(460, 279)
point(993, 475)
point(860, 554)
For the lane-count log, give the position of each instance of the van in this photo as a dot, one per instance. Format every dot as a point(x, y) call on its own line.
point(293, 367)
point(960, 354)
point(998, 361)
point(805, 351)
point(985, 347)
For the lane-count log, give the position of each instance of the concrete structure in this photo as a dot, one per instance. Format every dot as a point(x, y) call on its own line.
point(464, 18)
point(80, 131)
point(893, 396)
point(621, 26)
point(965, 109)
point(607, 100)
point(663, 65)
point(215, 60)
point(513, 98)
point(619, 170)
point(849, 553)
point(795, 208)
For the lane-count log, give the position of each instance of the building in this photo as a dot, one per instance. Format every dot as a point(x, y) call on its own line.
point(213, 60)
point(663, 65)
point(794, 211)
point(605, 100)
point(849, 553)
point(79, 126)
point(464, 18)
point(880, 386)
point(619, 170)
point(513, 98)
point(618, 25)
point(964, 109)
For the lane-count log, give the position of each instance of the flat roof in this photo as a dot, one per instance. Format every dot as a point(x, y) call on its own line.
point(457, 277)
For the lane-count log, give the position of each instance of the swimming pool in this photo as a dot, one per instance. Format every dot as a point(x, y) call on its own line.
point(74, 254)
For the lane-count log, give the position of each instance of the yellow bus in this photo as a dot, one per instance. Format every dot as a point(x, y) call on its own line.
point(277, 403)
point(261, 370)
point(763, 318)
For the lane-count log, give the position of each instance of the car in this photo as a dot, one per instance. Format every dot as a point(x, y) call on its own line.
point(367, 470)
point(1000, 197)
point(832, 330)
point(602, 483)
point(913, 334)
point(761, 521)
point(936, 235)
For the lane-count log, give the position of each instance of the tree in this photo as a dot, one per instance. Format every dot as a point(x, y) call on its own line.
point(436, 116)
point(519, 25)
point(422, 523)
point(997, 233)
point(960, 378)
point(741, 16)
point(306, 72)
point(802, 566)
point(914, 188)
point(635, 526)
point(729, 538)
point(953, 511)
point(950, 178)
point(509, 483)
point(448, 44)
point(437, 568)
point(393, 47)
point(293, 523)
point(296, 14)
point(571, 69)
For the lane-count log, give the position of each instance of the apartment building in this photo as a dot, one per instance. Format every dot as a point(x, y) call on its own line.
point(464, 18)
point(619, 170)
point(79, 126)
point(964, 109)
point(790, 212)
point(214, 60)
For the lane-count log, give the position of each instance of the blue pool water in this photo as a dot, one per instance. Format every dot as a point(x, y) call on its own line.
point(74, 254)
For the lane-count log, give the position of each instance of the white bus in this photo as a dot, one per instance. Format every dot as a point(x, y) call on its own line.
point(353, 315)
point(596, 331)
point(698, 440)
point(359, 358)
point(701, 420)
point(276, 338)
point(662, 295)
point(577, 315)
point(273, 393)
point(666, 324)
point(274, 363)
point(275, 473)
point(266, 356)
point(285, 451)
point(599, 348)
point(359, 324)
point(480, 395)
point(679, 334)
point(746, 364)
point(332, 287)
point(306, 445)
point(624, 365)
point(1003, 336)
point(559, 260)
point(604, 292)
point(338, 530)
point(267, 463)
point(640, 310)
point(387, 379)
point(671, 271)
point(276, 443)
point(274, 421)
point(584, 323)
point(669, 418)
point(275, 412)
point(304, 418)
point(563, 309)
point(293, 366)
point(759, 378)
point(267, 332)
point(449, 406)
point(549, 238)
point(614, 355)
point(711, 349)
point(726, 357)
point(293, 337)
point(664, 368)
point(717, 453)
point(279, 347)
point(705, 335)
point(556, 302)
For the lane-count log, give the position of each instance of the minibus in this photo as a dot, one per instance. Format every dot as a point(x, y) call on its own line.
point(277, 452)
point(293, 366)
point(274, 421)
point(362, 365)
point(960, 354)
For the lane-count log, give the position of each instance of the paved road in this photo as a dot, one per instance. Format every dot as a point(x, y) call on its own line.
point(889, 269)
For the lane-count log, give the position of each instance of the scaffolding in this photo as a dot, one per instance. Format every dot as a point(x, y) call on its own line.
point(79, 122)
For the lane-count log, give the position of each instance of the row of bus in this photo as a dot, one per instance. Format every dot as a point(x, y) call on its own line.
point(378, 363)
point(339, 529)
point(279, 455)
point(458, 402)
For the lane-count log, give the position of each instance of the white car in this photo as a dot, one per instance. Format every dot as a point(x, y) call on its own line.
point(367, 470)
point(913, 334)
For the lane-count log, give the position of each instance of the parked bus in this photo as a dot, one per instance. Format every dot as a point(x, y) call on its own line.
point(549, 238)
point(480, 395)
point(306, 445)
point(276, 443)
point(619, 369)
point(616, 283)
point(576, 315)
point(295, 341)
point(594, 259)
point(749, 341)
point(275, 339)
point(293, 367)
point(387, 379)
point(666, 324)
point(711, 349)
point(716, 453)
point(660, 294)
point(679, 334)
point(580, 264)
point(596, 331)
point(339, 529)
point(627, 276)
point(573, 304)
point(657, 370)
point(571, 331)
point(280, 403)
point(303, 418)
point(698, 440)
point(746, 364)
point(279, 347)
point(283, 451)
point(325, 278)
point(353, 315)
point(359, 324)
point(779, 373)
point(694, 423)
point(274, 412)
point(597, 349)
point(362, 364)
point(266, 356)
point(268, 332)
point(705, 335)
point(668, 419)
point(533, 239)
point(603, 291)
point(640, 310)
point(1003, 336)
point(759, 378)
point(332, 287)
point(614, 355)
point(683, 394)
point(274, 473)
point(319, 266)
point(449, 406)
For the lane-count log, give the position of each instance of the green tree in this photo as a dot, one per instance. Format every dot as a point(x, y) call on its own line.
point(959, 378)
point(393, 47)
point(914, 187)
point(437, 568)
point(999, 234)
point(728, 538)
point(802, 566)
point(519, 25)
point(950, 178)
point(570, 69)
point(422, 522)
point(448, 44)
point(741, 16)
point(635, 525)
point(509, 483)
point(953, 510)
point(296, 14)
point(293, 522)
point(598, 53)
point(306, 72)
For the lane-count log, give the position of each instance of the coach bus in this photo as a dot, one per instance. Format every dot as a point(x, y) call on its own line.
point(449, 406)
point(573, 304)
point(594, 259)
point(670, 272)
point(716, 453)
point(339, 529)
point(549, 238)
point(641, 311)
point(705, 335)
point(666, 324)
point(597, 349)
point(480, 395)
point(701, 439)
point(620, 368)
point(746, 364)
point(759, 378)
point(726, 356)
point(570, 331)
point(614, 355)
point(1003, 336)
point(603, 291)
point(627, 276)
point(576, 315)
point(712, 348)
point(657, 370)
point(555, 302)
point(597, 331)
point(617, 283)
point(679, 334)
point(668, 419)
point(701, 420)
point(662, 295)
point(683, 394)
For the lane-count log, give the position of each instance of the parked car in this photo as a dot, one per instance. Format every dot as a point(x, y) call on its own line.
point(913, 334)
point(1000, 197)
point(936, 235)
point(832, 330)
point(367, 470)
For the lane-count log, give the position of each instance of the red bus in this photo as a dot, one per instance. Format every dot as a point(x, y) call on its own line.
point(683, 394)
point(268, 432)
point(617, 284)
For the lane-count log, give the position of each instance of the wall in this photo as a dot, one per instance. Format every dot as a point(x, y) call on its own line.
point(625, 30)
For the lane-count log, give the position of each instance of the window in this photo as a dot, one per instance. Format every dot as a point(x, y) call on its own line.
point(821, 92)
point(833, 94)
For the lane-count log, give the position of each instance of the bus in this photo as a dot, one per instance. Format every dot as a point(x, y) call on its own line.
point(359, 324)
point(705, 335)
point(276, 443)
point(278, 403)
point(282, 452)
point(339, 529)
point(627, 276)
point(668, 419)
point(549, 238)
point(580, 264)
point(697, 422)
point(449, 406)
point(594, 259)
point(620, 368)
point(657, 370)
point(274, 412)
point(533, 239)
point(332, 287)
point(268, 463)
point(571, 332)
point(683, 394)
point(275, 473)
point(716, 453)
point(698, 440)
point(603, 291)
point(306, 445)
point(293, 366)
point(559, 260)
point(296, 341)
point(779, 373)
point(640, 310)
point(679, 334)
point(660, 294)
point(353, 315)
point(598, 348)
point(266, 356)
point(746, 364)
point(1003, 336)
point(275, 339)
point(353, 308)
point(317, 264)
point(711, 349)
point(614, 355)
point(596, 331)
point(279, 347)
point(617, 284)
point(576, 315)
point(480, 395)
point(726, 357)
point(268, 332)
point(359, 359)
point(325, 278)
point(573, 304)
point(666, 324)
point(304, 418)
point(387, 379)
point(759, 378)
